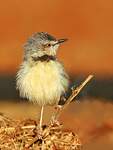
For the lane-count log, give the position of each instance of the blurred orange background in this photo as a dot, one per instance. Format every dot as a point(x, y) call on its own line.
point(89, 27)
point(87, 24)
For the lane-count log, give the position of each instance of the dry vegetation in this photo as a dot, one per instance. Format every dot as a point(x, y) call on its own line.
point(25, 135)
point(91, 119)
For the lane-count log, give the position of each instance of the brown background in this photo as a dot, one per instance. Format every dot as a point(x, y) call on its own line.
point(87, 24)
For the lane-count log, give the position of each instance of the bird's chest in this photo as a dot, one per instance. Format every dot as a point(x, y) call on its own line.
point(43, 83)
point(45, 75)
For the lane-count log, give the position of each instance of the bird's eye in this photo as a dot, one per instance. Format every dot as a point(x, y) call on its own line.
point(48, 45)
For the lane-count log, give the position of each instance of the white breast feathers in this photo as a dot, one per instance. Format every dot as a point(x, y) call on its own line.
point(43, 82)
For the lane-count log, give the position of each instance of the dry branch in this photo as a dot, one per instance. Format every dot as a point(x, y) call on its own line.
point(75, 92)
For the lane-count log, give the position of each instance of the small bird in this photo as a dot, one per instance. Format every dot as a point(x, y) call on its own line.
point(41, 77)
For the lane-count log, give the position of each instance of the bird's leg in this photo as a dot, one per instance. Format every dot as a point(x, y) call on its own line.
point(54, 118)
point(41, 116)
point(58, 108)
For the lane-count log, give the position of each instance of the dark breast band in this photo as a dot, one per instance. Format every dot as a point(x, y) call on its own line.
point(43, 58)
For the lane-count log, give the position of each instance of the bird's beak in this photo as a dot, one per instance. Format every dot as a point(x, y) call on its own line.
point(60, 41)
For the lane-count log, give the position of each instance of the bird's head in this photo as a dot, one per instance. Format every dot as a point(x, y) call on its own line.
point(41, 44)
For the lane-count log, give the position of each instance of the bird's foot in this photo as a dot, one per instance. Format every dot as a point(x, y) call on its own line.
point(54, 119)
point(54, 122)
point(40, 131)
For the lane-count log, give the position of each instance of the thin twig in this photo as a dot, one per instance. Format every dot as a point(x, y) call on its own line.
point(14, 128)
point(75, 92)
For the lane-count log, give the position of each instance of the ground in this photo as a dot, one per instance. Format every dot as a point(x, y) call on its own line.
point(91, 120)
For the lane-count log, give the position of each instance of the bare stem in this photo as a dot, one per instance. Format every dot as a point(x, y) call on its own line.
point(75, 92)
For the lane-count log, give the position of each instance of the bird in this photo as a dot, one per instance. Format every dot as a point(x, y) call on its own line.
point(41, 77)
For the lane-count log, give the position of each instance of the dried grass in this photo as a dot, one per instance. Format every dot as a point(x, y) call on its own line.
point(25, 135)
